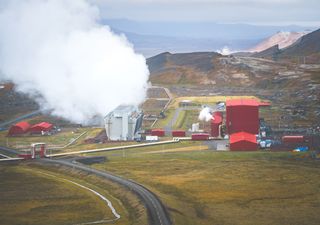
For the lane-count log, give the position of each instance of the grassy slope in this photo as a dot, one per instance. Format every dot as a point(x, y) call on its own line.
point(28, 197)
point(205, 187)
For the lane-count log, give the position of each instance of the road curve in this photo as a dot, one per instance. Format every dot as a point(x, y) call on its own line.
point(157, 213)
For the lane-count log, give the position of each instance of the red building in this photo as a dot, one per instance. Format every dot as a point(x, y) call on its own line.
point(243, 141)
point(242, 115)
point(157, 132)
point(19, 128)
point(200, 137)
point(41, 127)
point(293, 139)
point(216, 123)
point(178, 133)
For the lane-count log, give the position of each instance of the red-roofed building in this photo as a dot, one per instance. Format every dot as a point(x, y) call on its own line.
point(242, 115)
point(41, 127)
point(216, 123)
point(243, 141)
point(19, 128)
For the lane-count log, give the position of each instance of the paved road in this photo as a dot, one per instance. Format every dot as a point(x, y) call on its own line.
point(157, 213)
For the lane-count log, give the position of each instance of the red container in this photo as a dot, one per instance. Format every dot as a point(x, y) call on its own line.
point(292, 139)
point(25, 156)
point(200, 137)
point(157, 132)
point(216, 123)
point(178, 133)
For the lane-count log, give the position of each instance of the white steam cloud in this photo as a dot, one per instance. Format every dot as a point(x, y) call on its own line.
point(57, 52)
point(205, 114)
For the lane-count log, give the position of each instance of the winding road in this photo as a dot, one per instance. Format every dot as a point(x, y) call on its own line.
point(157, 213)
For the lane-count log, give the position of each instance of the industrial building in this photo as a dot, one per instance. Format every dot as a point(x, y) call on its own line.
point(123, 123)
point(39, 128)
point(242, 115)
point(19, 128)
point(243, 141)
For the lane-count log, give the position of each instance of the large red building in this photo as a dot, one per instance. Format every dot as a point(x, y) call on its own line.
point(243, 141)
point(19, 128)
point(242, 115)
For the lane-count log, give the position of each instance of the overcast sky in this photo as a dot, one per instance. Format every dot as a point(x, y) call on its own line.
point(302, 12)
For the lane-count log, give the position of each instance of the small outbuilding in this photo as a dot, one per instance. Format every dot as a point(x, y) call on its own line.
point(158, 132)
point(216, 123)
point(19, 128)
point(243, 141)
point(41, 127)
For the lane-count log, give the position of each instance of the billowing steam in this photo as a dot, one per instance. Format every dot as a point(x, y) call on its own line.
point(57, 52)
point(205, 114)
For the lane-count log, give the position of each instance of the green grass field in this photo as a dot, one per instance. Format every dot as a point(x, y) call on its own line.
point(207, 187)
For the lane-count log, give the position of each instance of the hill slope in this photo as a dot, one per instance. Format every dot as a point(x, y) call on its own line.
point(307, 45)
point(282, 39)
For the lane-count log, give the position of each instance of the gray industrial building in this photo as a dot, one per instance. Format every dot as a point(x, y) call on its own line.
point(123, 123)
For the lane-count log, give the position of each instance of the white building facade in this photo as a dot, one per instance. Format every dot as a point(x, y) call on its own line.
point(123, 123)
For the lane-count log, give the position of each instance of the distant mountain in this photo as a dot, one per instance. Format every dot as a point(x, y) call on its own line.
point(151, 45)
point(282, 39)
point(152, 38)
point(208, 30)
point(307, 47)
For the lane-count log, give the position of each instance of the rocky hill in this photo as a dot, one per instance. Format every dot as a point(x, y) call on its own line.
point(282, 39)
point(305, 50)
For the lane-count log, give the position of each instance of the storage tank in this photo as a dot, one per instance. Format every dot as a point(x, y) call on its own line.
point(242, 115)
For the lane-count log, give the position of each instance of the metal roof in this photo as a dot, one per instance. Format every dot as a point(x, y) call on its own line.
point(124, 110)
point(243, 136)
point(23, 125)
point(242, 102)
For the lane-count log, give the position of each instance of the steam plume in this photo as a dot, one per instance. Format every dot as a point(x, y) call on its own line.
point(57, 52)
point(205, 114)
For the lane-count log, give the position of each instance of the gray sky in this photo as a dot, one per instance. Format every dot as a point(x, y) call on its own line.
point(282, 12)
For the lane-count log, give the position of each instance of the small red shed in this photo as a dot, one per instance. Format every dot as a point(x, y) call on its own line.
point(178, 133)
point(216, 122)
point(157, 132)
point(293, 139)
point(243, 141)
point(41, 127)
point(19, 128)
